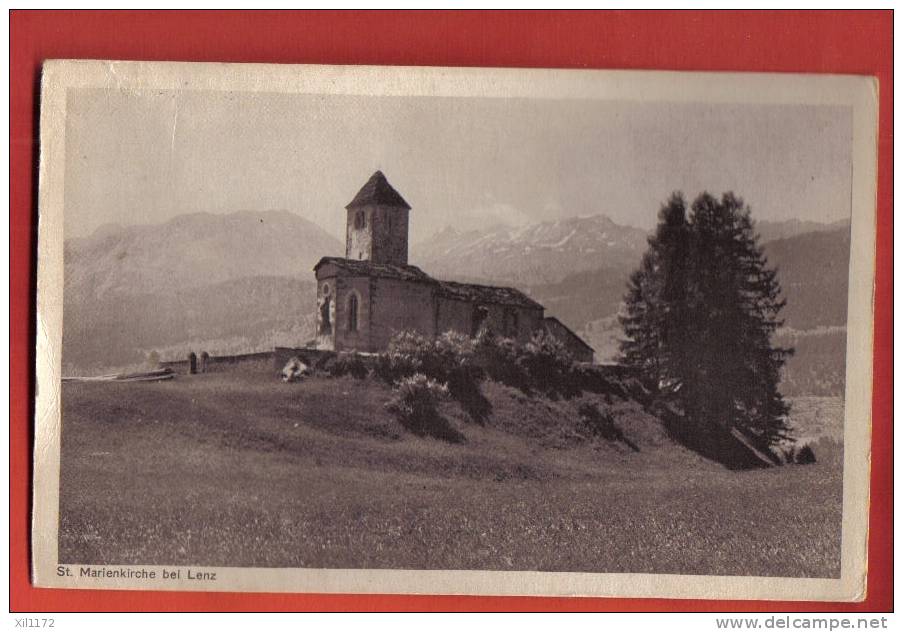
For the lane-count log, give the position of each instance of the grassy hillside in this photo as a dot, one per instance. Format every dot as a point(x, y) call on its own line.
point(240, 469)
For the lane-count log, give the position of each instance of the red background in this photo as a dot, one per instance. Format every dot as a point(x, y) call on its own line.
point(819, 42)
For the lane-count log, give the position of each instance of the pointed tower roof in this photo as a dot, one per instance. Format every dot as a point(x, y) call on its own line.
point(378, 191)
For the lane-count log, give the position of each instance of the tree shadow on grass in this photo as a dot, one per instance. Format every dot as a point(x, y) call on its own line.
point(432, 425)
point(471, 399)
point(602, 424)
point(714, 442)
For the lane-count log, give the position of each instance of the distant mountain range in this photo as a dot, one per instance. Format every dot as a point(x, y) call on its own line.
point(243, 282)
point(769, 231)
point(542, 253)
point(812, 268)
point(193, 251)
point(225, 283)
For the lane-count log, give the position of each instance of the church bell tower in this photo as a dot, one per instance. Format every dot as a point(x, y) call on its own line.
point(377, 228)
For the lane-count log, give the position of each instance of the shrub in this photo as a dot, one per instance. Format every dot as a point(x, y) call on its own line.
point(454, 362)
point(461, 363)
point(805, 455)
point(328, 366)
point(417, 396)
point(416, 403)
point(345, 363)
point(449, 358)
point(453, 351)
point(545, 359)
point(542, 364)
point(498, 357)
point(788, 453)
point(404, 356)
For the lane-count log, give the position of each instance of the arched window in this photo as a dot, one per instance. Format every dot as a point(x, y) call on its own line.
point(360, 220)
point(352, 312)
point(480, 314)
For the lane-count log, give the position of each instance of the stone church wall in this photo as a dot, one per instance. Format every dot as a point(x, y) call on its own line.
point(453, 315)
point(457, 315)
point(325, 307)
point(347, 339)
point(358, 237)
point(399, 306)
point(528, 320)
point(390, 235)
point(575, 346)
point(377, 233)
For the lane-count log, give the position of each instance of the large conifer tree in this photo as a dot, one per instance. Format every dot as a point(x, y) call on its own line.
point(656, 304)
point(699, 317)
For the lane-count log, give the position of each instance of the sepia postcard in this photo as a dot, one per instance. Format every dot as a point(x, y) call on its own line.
point(454, 331)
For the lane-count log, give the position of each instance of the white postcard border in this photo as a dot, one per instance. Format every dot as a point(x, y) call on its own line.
point(858, 93)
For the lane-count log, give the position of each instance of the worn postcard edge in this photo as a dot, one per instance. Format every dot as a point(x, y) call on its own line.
point(856, 92)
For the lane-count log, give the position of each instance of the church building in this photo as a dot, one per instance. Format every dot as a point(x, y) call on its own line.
point(373, 292)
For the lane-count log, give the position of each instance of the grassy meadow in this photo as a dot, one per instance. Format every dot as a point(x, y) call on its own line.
point(239, 469)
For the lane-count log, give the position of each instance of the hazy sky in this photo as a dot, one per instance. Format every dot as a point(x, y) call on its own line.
point(147, 156)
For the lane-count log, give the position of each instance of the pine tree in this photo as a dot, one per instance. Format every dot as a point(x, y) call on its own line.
point(654, 320)
point(700, 314)
point(640, 347)
point(736, 311)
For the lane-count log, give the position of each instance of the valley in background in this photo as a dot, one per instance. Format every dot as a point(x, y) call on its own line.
point(203, 469)
point(243, 282)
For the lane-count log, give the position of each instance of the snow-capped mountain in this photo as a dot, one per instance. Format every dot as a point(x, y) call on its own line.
point(529, 255)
